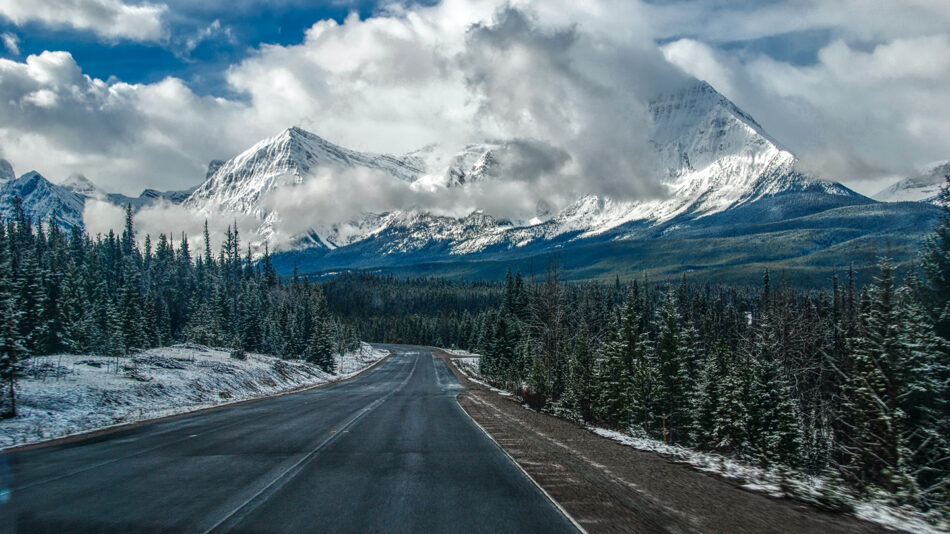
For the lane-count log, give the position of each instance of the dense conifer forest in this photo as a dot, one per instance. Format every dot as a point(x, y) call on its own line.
point(851, 383)
point(69, 292)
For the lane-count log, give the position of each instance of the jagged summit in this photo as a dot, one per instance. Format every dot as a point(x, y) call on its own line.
point(239, 184)
point(677, 111)
point(78, 183)
point(41, 199)
point(696, 126)
point(712, 156)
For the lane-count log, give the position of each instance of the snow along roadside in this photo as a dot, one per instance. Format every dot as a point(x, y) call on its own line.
point(770, 481)
point(66, 395)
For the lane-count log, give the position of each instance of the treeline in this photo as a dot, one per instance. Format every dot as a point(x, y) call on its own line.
point(424, 311)
point(69, 292)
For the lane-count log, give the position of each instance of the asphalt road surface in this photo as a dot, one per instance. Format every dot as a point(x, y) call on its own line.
point(389, 451)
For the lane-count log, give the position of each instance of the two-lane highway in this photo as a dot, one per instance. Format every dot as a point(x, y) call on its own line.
point(389, 451)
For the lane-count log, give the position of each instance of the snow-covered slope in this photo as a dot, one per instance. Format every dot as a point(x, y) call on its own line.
point(40, 199)
point(78, 183)
point(713, 157)
point(149, 197)
point(239, 184)
point(924, 187)
point(472, 164)
point(68, 394)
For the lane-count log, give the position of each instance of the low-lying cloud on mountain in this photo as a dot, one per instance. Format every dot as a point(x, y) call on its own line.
point(575, 77)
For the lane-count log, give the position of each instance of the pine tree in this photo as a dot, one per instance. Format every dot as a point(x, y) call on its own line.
point(731, 416)
point(712, 382)
point(878, 450)
point(935, 291)
point(774, 420)
point(320, 346)
point(129, 307)
point(12, 346)
point(613, 383)
point(582, 388)
point(675, 385)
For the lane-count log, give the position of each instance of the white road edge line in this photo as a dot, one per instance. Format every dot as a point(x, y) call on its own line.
point(533, 481)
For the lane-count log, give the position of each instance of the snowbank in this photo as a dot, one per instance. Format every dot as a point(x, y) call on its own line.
point(778, 484)
point(62, 395)
point(460, 352)
point(468, 366)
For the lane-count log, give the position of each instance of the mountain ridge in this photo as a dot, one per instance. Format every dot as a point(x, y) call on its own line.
point(725, 177)
point(922, 187)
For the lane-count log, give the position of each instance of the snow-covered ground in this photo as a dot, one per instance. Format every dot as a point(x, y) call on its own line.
point(69, 394)
point(771, 481)
point(463, 353)
point(778, 484)
point(468, 366)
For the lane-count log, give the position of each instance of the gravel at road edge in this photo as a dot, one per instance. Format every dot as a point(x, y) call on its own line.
point(609, 487)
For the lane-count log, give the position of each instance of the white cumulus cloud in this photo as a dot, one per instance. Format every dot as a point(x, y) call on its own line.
point(112, 19)
point(566, 82)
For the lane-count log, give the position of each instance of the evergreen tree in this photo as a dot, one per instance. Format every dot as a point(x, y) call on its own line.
point(879, 453)
point(675, 384)
point(935, 291)
point(582, 387)
point(613, 383)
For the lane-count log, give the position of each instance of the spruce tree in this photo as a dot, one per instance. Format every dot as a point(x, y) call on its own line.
point(582, 389)
point(676, 371)
point(878, 451)
point(614, 383)
point(935, 291)
point(12, 345)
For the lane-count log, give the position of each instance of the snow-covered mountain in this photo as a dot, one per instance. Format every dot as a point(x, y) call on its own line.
point(723, 175)
point(238, 185)
point(66, 200)
point(41, 199)
point(924, 187)
point(78, 183)
point(712, 157)
point(149, 197)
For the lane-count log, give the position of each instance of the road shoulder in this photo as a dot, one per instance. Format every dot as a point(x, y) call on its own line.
point(608, 487)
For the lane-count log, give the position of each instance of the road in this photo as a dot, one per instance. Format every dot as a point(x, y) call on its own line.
point(389, 451)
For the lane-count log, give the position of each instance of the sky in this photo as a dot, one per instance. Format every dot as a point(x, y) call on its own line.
point(144, 94)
